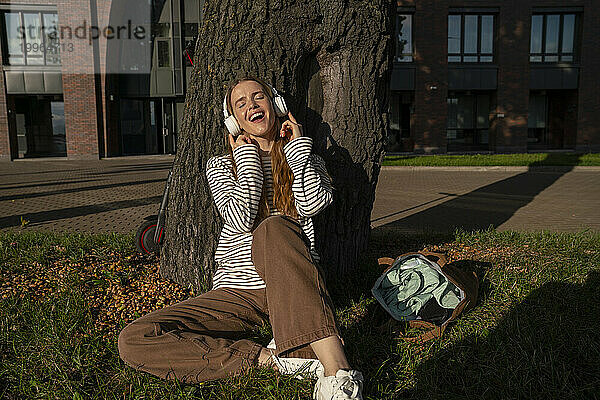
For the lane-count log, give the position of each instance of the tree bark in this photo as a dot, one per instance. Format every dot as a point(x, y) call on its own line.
point(331, 60)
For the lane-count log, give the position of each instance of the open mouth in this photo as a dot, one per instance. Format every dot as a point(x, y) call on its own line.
point(257, 117)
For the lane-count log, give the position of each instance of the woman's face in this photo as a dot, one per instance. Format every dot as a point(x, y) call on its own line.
point(253, 109)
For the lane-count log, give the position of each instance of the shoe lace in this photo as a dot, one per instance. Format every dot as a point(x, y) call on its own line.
point(347, 387)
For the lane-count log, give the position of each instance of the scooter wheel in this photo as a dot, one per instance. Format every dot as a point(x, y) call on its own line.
point(144, 238)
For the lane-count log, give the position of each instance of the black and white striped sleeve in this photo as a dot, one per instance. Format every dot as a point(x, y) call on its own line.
point(312, 184)
point(237, 199)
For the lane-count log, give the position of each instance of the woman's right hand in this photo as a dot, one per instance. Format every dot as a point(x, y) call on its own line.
point(239, 141)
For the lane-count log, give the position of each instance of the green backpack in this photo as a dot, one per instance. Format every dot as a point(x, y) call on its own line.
point(425, 291)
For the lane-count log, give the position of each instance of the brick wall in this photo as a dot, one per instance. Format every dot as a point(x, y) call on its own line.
point(79, 88)
point(512, 29)
point(511, 49)
point(430, 21)
point(588, 109)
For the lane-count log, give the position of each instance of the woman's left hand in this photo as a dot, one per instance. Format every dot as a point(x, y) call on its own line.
point(291, 126)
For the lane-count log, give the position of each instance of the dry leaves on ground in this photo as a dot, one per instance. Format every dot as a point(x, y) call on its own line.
point(118, 288)
point(121, 288)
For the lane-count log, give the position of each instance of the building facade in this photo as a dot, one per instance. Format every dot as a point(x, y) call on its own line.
point(66, 93)
point(510, 76)
point(468, 76)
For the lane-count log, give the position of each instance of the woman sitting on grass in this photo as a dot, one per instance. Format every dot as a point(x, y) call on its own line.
point(266, 189)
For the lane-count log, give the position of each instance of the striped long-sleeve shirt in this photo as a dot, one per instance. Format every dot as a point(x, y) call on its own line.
point(237, 201)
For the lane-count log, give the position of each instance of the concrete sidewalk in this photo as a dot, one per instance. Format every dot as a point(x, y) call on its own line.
point(513, 198)
point(114, 195)
point(110, 195)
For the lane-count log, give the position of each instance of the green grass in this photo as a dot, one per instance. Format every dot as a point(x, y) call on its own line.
point(533, 334)
point(529, 159)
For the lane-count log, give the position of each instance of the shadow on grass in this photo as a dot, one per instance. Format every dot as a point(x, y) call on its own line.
point(548, 346)
point(376, 345)
point(385, 243)
point(350, 288)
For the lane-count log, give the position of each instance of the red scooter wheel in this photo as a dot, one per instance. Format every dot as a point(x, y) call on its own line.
point(144, 238)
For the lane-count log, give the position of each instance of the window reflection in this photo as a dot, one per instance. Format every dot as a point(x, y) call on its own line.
point(31, 38)
point(552, 38)
point(470, 38)
point(552, 26)
point(568, 33)
point(51, 37)
point(471, 34)
point(14, 40)
point(536, 119)
point(487, 34)
point(454, 34)
point(404, 38)
point(537, 22)
point(57, 109)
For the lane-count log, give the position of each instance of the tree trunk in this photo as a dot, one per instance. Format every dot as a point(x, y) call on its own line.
point(332, 61)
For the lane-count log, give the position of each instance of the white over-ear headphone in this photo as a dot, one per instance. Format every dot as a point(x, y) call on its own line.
point(278, 105)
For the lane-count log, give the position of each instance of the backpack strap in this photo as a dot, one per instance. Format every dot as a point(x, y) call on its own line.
point(433, 332)
point(470, 285)
point(439, 258)
point(385, 261)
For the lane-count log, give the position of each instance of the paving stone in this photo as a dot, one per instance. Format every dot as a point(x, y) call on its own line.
point(114, 195)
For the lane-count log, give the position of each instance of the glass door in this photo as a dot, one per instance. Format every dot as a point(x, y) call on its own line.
point(138, 126)
point(40, 126)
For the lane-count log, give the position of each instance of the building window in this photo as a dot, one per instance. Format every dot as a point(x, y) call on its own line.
point(468, 121)
point(552, 38)
point(164, 54)
point(404, 44)
point(470, 38)
point(30, 38)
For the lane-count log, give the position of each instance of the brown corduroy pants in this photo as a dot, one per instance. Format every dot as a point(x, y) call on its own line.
point(203, 338)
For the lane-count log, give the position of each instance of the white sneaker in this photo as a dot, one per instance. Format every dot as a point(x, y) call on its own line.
point(345, 385)
point(301, 367)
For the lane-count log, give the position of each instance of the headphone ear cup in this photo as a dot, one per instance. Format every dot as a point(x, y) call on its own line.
point(280, 106)
point(232, 125)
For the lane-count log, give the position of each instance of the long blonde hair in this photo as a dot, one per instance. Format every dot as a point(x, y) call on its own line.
point(283, 197)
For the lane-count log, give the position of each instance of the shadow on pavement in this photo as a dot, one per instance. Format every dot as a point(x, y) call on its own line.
point(31, 184)
point(94, 169)
point(71, 212)
point(76, 190)
point(490, 205)
point(120, 169)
